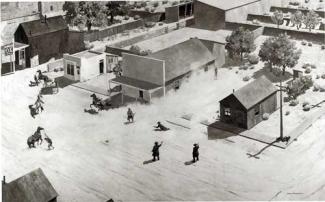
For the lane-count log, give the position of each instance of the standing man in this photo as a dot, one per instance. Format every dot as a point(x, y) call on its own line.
point(49, 142)
point(155, 151)
point(130, 115)
point(195, 152)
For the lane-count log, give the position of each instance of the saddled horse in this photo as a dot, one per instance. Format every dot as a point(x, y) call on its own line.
point(97, 102)
point(34, 138)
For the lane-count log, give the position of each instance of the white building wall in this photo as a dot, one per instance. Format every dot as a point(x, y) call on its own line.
point(90, 67)
point(68, 59)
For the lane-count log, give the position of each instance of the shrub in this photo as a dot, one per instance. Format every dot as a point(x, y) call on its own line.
point(323, 76)
point(287, 113)
point(147, 9)
point(160, 23)
point(138, 5)
point(306, 65)
point(320, 1)
point(236, 72)
point(246, 78)
point(266, 116)
point(307, 71)
point(294, 3)
point(303, 43)
point(149, 24)
point(317, 76)
point(61, 69)
point(136, 17)
point(306, 108)
point(316, 88)
point(156, 4)
point(310, 44)
point(55, 70)
point(143, 4)
point(321, 89)
point(164, 2)
point(126, 17)
point(305, 103)
point(313, 66)
point(294, 103)
point(253, 59)
point(322, 47)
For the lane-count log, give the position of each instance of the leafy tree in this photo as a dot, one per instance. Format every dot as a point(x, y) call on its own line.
point(113, 8)
point(280, 51)
point(239, 42)
point(70, 11)
point(311, 20)
point(297, 19)
point(277, 18)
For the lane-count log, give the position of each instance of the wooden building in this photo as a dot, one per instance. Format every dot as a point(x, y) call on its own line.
point(245, 107)
point(32, 187)
point(47, 38)
point(150, 76)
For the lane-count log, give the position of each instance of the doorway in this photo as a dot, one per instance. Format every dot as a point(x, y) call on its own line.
point(101, 66)
point(141, 94)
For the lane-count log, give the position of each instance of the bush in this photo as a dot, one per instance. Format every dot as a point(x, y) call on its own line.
point(253, 59)
point(236, 72)
point(55, 70)
point(310, 44)
point(147, 9)
point(136, 17)
point(246, 78)
point(308, 70)
point(294, 103)
point(317, 76)
point(126, 17)
point(322, 47)
point(306, 108)
point(149, 24)
point(303, 43)
point(287, 113)
point(323, 76)
point(305, 103)
point(321, 89)
point(138, 5)
point(266, 116)
point(143, 4)
point(294, 3)
point(164, 2)
point(320, 1)
point(155, 4)
point(306, 65)
point(160, 23)
point(313, 66)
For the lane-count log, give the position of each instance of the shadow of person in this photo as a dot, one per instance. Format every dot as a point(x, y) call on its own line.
point(127, 123)
point(91, 111)
point(148, 161)
point(157, 129)
point(187, 163)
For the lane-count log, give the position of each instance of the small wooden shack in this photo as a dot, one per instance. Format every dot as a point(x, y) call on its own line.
point(245, 107)
point(33, 187)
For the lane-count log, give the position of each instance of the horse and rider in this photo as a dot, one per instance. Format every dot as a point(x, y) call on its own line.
point(99, 103)
point(37, 138)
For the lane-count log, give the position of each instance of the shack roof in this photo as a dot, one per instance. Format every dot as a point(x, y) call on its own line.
point(228, 4)
point(254, 92)
point(42, 26)
point(183, 57)
point(33, 186)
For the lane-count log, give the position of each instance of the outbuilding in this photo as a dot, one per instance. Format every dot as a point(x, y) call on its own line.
point(84, 65)
point(213, 14)
point(46, 37)
point(245, 107)
point(33, 186)
point(150, 76)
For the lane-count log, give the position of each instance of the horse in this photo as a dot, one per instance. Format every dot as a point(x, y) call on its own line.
point(34, 138)
point(97, 102)
point(43, 77)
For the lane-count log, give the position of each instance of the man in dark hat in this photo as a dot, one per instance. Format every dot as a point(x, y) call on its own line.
point(130, 115)
point(195, 152)
point(155, 151)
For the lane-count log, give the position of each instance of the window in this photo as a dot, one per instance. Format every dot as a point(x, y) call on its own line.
point(22, 54)
point(257, 110)
point(78, 70)
point(51, 8)
point(227, 112)
point(70, 69)
point(176, 85)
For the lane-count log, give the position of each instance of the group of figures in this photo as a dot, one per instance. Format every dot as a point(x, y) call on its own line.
point(37, 138)
point(37, 108)
point(161, 127)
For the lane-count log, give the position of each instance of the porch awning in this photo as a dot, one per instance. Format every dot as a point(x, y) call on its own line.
point(135, 83)
point(19, 46)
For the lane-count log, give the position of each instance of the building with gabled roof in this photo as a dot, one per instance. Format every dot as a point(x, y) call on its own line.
point(246, 106)
point(213, 14)
point(150, 76)
point(33, 187)
point(47, 38)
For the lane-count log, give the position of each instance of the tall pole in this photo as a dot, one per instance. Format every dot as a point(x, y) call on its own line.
point(281, 114)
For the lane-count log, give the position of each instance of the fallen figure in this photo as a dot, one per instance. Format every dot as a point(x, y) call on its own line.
point(91, 111)
point(161, 127)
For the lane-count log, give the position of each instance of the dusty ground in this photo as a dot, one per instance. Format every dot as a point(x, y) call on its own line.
point(83, 168)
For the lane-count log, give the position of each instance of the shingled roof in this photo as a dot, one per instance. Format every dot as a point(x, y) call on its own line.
point(228, 4)
point(254, 92)
point(33, 186)
point(183, 57)
point(39, 27)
